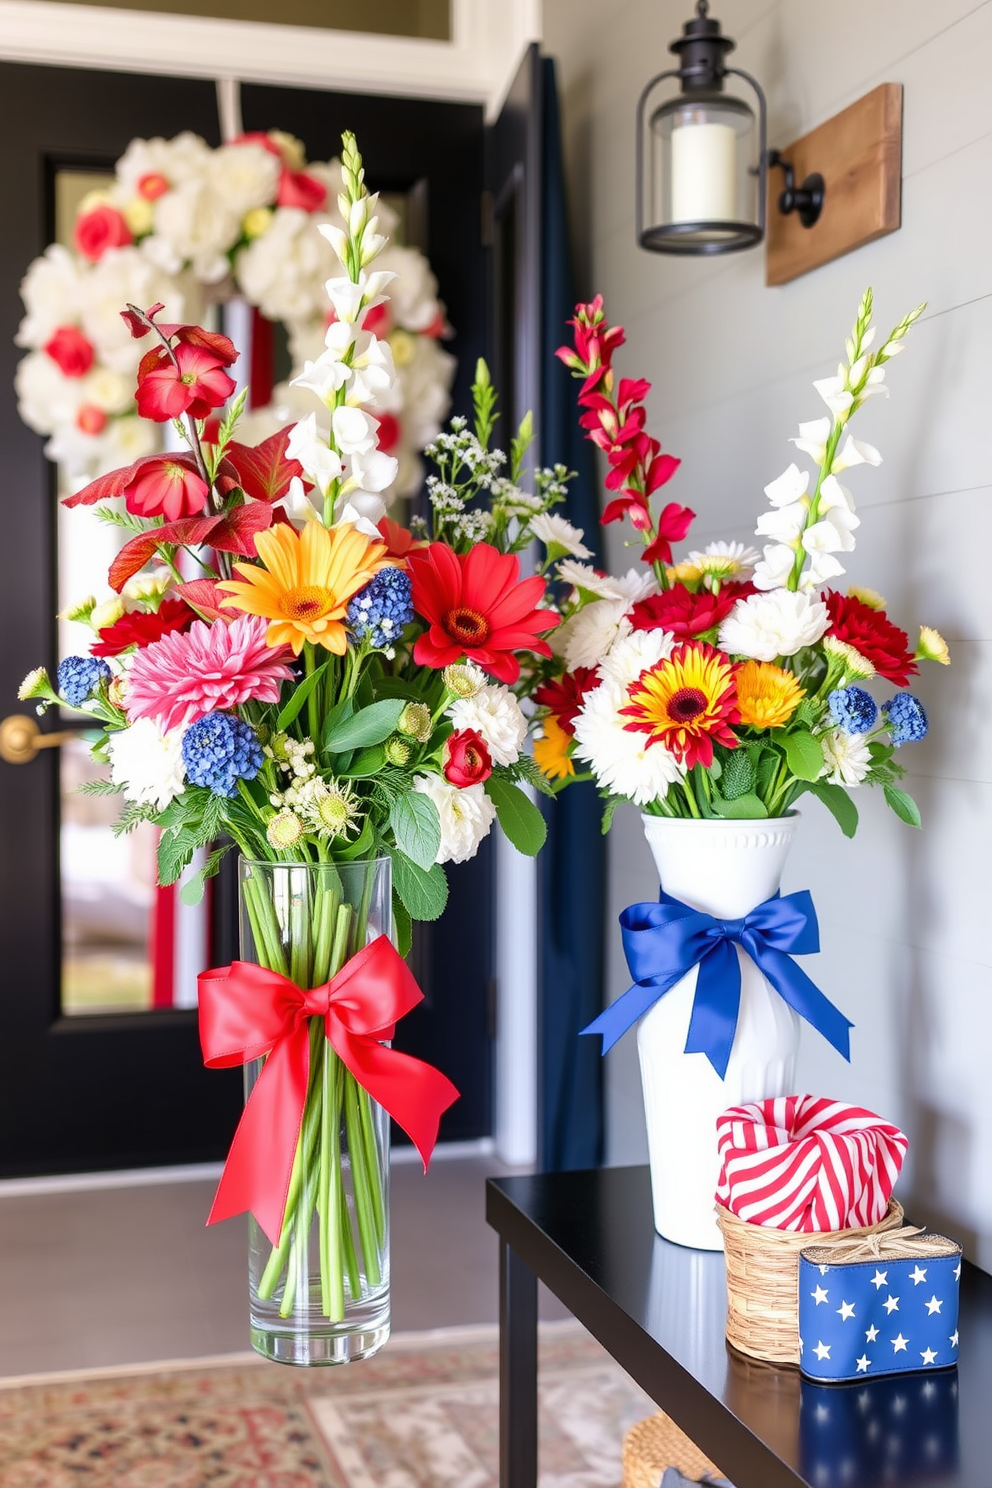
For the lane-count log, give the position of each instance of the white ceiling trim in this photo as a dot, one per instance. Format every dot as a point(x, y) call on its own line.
point(476, 66)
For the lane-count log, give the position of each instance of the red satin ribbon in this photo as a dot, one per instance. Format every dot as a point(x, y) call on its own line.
point(247, 1011)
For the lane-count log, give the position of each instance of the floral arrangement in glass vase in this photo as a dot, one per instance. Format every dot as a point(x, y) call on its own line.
point(731, 682)
point(332, 693)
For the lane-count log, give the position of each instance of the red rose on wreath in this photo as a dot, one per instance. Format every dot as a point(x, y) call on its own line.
point(467, 760)
point(101, 228)
point(71, 351)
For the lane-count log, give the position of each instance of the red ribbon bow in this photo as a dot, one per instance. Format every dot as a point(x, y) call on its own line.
point(247, 1011)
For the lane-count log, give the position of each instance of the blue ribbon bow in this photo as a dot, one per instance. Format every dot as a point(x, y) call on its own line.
point(665, 940)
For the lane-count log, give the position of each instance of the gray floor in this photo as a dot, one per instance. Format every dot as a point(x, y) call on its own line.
point(114, 1276)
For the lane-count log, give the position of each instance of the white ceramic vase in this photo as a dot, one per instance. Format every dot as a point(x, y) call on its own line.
point(724, 868)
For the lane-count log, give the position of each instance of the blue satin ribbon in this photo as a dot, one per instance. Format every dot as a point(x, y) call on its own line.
point(665, 940)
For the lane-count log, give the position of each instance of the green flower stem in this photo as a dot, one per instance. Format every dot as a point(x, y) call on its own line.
point(364, 1211)
point(308, 1195)
point(350, 1254)
point(330, 1196)
point(313, 702)
point(690, 797)
point(371, 1155)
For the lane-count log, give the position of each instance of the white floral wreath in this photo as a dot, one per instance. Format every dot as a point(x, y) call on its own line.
point(184, 223)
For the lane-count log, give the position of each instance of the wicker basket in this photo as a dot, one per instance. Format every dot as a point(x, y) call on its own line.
point(762, 1266)
point(657, 1443)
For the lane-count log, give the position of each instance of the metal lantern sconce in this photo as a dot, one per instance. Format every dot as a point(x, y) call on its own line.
point(702, 159)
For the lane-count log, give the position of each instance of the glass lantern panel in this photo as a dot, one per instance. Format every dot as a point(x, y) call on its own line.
point(702, 176)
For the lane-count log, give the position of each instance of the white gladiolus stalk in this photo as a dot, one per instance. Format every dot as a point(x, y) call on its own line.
point(829, 522)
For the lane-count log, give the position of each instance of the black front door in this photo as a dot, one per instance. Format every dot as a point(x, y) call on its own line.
point(85, 1088)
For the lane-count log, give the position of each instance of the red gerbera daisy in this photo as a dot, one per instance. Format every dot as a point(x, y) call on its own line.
point(143, 627)
point(687, 615)
point(477, 605)
point(872, 634)
point(564, 696)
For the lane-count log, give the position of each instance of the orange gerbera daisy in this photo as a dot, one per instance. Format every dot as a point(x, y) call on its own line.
point(305, 582)
point(551, 751)
point(686, 703)
point(767, 695)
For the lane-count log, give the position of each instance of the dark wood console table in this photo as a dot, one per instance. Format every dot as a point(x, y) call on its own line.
point(659, 1310)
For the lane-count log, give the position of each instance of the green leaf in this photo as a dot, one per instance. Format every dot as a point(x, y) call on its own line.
point(342, 710)
point(367, 762)
point(838, 803)
point(610, 805)
point(424, 894)
point(520, 819)
point(525, 769)
point(803, 755)
point(417, 827)
point(741, 808)
point(371, 725)
point(402, 926)
point(299, 697)
point(903, 805)
point(360, 848)
point(175, 852)
point(192, 892)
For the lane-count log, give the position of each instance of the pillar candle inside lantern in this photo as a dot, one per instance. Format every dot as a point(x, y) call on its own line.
point(703, 173)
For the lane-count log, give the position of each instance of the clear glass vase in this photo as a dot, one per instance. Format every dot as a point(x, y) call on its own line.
point(321, 1296)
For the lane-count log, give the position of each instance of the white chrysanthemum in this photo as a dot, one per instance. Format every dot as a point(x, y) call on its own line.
point(413, 297)
point(623, 762)
point(283, 271)
point(634, 653)
point(587, 636)
point(556, 532)
point(243, 177)
point(148, 763)
point(847, 757)
point(779, 623)
point(494, 713)
point(466, 816)
point(50, 291)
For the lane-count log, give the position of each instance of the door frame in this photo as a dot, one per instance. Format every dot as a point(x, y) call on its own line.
point(478, 65)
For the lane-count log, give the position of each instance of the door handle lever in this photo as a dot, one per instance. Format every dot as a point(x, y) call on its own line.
point(21, 739)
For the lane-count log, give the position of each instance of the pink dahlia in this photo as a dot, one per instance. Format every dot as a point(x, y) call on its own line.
point(206, 669)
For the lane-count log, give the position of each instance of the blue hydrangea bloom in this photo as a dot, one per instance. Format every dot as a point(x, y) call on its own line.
point(382, 610)
point(853, 710)
point(906, 718)
point(219, 750)
point(79, 677)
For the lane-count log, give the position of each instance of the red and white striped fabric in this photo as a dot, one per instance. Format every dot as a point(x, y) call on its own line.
point(806, 1163)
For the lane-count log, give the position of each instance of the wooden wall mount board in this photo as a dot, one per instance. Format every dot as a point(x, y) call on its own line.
point(859, 154)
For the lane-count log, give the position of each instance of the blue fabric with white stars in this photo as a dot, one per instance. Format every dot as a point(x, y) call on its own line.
point(866, 1318)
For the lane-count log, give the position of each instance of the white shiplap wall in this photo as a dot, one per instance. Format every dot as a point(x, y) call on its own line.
point(906, 918)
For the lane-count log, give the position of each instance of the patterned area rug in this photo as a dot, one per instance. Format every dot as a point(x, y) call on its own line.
point(422, 1414)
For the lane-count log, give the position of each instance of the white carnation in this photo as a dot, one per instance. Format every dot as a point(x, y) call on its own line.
point(779, 623)
point(494, 713)
point(283, 271)
point(50, 291)
point(623, 761)
point(45, 397)
point(847, 757)
point(587, 636)
point(466, 816)
point(243, 177)
point(124, 276)
point(634, 653)
point(199, 226)
point(148, 763)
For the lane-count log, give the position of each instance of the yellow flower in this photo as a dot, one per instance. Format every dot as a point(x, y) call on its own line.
point(684, 573)
point(551, 754)
point(139, 216)
point(305, 582)
point(868, 597)
point(256, 222)
point(767, 696)
point(932, 646)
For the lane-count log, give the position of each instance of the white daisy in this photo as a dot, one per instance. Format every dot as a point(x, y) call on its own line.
point(588, 635)
point(559, 536)
point(634, 653)
point(623, 762)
